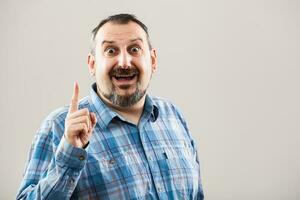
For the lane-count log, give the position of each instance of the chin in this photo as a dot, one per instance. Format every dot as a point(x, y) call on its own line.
point(125, 93)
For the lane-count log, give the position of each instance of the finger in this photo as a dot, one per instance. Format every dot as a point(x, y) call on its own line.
point(74, 100)
point(77, 129)
point(82, 119)
point(93, 119)
point(79, 113)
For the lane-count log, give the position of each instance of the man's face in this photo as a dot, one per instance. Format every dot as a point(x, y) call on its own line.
point(122, 64)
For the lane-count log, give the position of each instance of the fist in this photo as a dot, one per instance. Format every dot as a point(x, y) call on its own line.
point(79, 124)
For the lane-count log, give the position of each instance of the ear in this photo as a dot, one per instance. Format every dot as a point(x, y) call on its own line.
point(91, 64)
point(153, 60)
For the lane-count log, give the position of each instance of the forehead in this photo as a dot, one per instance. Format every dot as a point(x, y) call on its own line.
point(120, 33)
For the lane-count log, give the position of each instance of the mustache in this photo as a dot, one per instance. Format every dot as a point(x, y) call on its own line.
point(118, 71)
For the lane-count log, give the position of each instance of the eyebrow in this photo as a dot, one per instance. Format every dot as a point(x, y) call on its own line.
point(137, 39)
point(111, 41)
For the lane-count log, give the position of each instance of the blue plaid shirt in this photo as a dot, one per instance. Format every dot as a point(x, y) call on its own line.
point(156, 159)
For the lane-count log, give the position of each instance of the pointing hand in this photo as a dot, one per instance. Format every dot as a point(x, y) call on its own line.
point(79, 124)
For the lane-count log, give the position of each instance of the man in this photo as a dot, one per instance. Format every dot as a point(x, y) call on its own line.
point(118, 142)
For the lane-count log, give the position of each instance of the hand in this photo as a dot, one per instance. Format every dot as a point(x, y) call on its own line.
point(79, 124)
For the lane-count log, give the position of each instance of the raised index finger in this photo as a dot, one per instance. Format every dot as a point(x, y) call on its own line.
point(74, 101)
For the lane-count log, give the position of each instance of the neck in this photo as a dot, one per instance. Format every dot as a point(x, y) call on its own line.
point(132, 113)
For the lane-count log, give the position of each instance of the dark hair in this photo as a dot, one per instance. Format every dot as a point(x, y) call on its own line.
point(118, 19)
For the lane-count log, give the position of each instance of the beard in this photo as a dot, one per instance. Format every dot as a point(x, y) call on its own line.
point(127, 100)
point(124, 100)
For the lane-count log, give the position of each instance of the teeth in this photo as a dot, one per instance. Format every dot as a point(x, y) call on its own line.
point(124, 76)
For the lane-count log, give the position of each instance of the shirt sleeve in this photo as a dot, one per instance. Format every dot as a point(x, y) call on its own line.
point(200, 194)
point(52, 171)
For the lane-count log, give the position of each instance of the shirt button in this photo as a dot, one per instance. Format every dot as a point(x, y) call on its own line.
point(81, 157)
point(185, 144)
point(71, 181)
point(112, 161)
point(149, 158)
point(159, 189)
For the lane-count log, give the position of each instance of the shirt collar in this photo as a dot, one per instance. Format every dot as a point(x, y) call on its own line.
point(106, 114)
point(102, 111)
point(150, 109)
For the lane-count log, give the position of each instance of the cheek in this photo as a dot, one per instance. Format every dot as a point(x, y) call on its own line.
point(104, 67)
point(146, 73)
point(143, 64)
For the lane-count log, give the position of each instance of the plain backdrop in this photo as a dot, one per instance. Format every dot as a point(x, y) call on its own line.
point(232, 67)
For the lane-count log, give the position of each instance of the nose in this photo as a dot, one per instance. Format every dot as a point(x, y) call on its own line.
point(124, 60)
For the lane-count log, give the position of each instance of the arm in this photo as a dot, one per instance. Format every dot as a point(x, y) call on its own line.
point(51, 174)
point(200, 195)
point(57, 156)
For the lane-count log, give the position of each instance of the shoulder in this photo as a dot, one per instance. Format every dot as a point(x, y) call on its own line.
point(54, 122)
point(166, 106)
point(169, 111)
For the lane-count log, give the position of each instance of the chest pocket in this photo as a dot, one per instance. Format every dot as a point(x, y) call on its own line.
point(179, 169)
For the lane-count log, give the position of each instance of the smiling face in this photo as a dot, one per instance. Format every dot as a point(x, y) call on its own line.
point(123, 63)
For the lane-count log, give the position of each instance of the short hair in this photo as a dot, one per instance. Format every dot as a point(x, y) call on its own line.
point(118, 19)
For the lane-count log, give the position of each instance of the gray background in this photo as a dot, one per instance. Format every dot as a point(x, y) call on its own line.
point(231, 66)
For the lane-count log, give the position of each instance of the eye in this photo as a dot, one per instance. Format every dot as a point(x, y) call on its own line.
point(135, 49)
point(110, 51)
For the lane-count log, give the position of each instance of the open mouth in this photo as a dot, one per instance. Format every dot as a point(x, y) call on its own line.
point(122, 77)
point(125, 77)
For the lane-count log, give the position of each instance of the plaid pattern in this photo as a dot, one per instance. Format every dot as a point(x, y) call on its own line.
point(155, 160)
